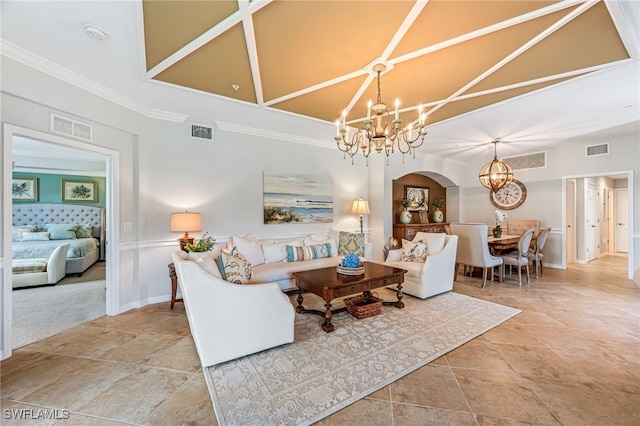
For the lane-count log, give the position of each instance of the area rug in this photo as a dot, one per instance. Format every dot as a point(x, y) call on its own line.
point(321, 373)
point(40, 312)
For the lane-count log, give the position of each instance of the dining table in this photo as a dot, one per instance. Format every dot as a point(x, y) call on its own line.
point(505, 242)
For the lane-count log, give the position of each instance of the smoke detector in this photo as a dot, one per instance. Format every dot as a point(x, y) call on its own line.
point(95, 32)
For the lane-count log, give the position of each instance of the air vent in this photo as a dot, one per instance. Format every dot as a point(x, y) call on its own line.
point(70, 127)
point(201, 132)
point(600, 149)
point(529, 161)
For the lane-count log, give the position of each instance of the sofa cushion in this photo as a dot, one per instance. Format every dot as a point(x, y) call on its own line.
point(237, 269)
point(315, 251)
point(434, 241)
point(35, 236)
point(250, 249)
point(282, 270)
point(413, 268)
point(351, 243)
point(62, 231)
point(414, 251)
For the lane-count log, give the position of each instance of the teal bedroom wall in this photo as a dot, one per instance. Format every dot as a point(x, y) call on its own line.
point(50, 187)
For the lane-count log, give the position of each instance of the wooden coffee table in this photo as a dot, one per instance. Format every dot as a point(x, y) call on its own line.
point(328, 284)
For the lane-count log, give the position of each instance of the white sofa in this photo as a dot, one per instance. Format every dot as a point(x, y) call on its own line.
point(40, 271)
point(227, 320)
point(435, 275)
point(267, 267)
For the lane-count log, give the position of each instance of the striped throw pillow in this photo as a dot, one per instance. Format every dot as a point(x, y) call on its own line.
point(315, 251)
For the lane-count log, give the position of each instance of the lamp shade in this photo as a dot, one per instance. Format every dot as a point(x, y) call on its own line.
point(360, 206)
point(186, 222)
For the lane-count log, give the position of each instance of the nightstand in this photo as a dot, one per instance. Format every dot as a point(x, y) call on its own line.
point(174, 284)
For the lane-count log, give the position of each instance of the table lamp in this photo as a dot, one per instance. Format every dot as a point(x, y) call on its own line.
point(185, 222)
point(360, 207)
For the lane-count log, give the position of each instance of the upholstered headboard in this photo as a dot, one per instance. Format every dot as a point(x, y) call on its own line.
point(42, 214)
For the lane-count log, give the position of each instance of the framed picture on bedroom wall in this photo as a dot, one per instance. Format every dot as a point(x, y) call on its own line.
point(24, 189)
point(75, 191)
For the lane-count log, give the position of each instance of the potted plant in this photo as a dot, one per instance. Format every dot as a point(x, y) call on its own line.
point(405, 215)
point(201, 244)
point(500, 217)
point(438, 216)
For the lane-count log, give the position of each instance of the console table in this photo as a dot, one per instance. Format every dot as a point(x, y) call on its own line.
point(410, 230)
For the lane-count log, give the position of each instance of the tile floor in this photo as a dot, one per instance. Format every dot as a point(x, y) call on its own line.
point(571, 357)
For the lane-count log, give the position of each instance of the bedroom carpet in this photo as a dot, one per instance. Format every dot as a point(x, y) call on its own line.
point(321, 373)
point(40, 312)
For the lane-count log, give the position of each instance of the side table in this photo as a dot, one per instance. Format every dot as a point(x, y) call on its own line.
point(174, 284)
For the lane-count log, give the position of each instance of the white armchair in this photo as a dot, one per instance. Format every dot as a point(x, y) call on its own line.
point(435, 275)
point(229, 320)
point(473, 248)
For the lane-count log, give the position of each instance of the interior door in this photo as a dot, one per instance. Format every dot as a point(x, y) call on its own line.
point(571, 221)
point(592, 223)
point(622, 220)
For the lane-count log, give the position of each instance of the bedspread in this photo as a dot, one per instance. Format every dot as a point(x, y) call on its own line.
point(43, 249)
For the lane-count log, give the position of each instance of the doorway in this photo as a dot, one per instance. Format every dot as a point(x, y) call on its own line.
point(110, 161)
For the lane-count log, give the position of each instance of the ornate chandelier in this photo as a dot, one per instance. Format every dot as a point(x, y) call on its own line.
point(378, 135)
point(496, 174)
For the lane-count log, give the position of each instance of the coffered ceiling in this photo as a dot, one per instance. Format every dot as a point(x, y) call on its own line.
point(314, 58)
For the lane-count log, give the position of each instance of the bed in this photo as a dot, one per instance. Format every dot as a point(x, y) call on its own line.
point(84, 226)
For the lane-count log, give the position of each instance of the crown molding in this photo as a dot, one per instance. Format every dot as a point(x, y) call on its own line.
point(283, 137)
point(10, 50)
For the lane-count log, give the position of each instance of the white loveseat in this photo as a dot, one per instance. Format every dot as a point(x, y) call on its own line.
point(268, 262)
point(227, 320)
point(33, 272)
point(435, 275)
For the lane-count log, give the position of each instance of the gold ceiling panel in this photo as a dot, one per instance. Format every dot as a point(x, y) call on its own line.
point(456, 108)
point(324, 104)
point(444, 20)
point(216, 67)
point(169, 25)
point(319, 41)
point(588, 40)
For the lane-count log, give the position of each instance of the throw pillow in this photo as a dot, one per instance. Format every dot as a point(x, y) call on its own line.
point(316, 251)
point(62, 231)
point(414, 251)
point(351, 243)
point(273, 253)
point(334, 247)
point(433, 240)
point(84, 231)
point(35, 236)
point(17, 231)
point(250, 248)
point(237, 269)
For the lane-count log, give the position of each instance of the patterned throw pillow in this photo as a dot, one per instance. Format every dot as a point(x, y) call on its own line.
point(315, 251)
point(351, 243)
point(84, 231)
point(414, 251)
point(235, 267)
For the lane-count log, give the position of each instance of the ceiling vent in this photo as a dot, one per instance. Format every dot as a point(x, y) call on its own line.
point(600, 149)
point(528, 161)
point(69, 127)
point(201, 132)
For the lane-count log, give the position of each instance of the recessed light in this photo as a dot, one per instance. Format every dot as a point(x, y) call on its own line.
point(94, 32)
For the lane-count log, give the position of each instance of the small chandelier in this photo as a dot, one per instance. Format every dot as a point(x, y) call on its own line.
point(378, 135)
point(496, 174)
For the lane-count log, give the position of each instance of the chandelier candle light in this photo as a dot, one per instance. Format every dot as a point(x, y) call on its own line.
point(496, 174)
point(378, 135)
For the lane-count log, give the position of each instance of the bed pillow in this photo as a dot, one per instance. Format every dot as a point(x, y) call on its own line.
point(17, 231)
point(62, 231)
point(35, 236)
point(84, 231)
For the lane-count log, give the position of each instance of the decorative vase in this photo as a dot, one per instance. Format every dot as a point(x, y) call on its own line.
point(438, 216)
point(405, 216)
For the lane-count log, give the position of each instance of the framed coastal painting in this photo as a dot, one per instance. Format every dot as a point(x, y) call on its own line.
point(75, 191)
point(418, 196)
point(297, 198)
point(24, 189)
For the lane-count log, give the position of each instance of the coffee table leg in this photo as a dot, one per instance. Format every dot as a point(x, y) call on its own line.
point(400, 303)
point(299, 308)
point(326, 325)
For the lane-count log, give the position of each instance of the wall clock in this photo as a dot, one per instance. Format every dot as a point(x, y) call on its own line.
point(510, 196)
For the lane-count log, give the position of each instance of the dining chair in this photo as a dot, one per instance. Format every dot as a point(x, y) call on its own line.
point(473, 249)
point(519, 258)
point(535, 254)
